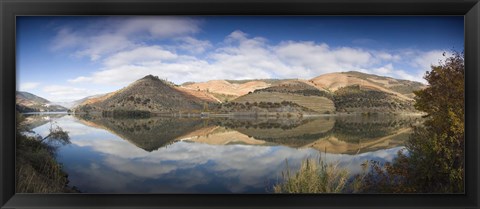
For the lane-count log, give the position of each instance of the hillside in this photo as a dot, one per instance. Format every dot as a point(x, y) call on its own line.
point(362, 99)
point(403, 89)
point(313, 104)
point(360, 92)
point(334, 92)
point(228, 90)
point(27, 102)
point(147, 94)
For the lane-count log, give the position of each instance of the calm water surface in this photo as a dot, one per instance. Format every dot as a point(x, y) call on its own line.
point(194, 155)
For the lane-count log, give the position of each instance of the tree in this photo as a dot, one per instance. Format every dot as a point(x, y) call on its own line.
point(434, 163)
point(56, 135)
point(437, 148)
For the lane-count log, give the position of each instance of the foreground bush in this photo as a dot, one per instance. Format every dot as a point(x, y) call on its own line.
point(36, 168)
point(314, 176)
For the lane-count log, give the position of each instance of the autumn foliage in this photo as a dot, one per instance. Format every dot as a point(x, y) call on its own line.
point(434, 161)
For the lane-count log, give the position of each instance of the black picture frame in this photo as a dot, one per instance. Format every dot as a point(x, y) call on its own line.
point(9, 9)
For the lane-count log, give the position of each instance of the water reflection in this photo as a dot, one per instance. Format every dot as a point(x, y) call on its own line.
point(186, 155)
point(146, 133)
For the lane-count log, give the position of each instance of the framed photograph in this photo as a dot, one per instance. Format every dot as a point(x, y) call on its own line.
point(230, 104)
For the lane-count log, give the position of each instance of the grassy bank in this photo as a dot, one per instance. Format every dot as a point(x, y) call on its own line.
point(314, 176)
point(36, 169)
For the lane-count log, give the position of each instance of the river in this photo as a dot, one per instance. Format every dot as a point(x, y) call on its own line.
point(214, 155)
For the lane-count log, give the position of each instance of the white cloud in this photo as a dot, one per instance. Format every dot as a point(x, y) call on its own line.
point(117, 33)
point(193, 45)
point(28, 86)
point(426, 59)
point(320, 58)
point(388, 57)
point(158, 27)
point(139, 55)
point(240, 56)
point(384, 70)
point(58, 93)
point(104, 44)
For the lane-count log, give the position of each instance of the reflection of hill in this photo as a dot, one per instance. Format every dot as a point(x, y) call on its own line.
point(353, 135)
point(216, 135)
point(340, 134)
point(332, 144)
point(35, 120)
point(288, 132)
point(149, 133)
point(356, 129)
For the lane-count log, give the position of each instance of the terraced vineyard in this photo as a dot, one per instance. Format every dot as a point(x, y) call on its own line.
point(315, 103)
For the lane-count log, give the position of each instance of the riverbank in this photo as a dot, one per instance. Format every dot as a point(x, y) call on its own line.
point(250, 114)
point(36, 169)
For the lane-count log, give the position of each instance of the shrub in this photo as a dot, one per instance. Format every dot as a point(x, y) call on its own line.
point(313, 177)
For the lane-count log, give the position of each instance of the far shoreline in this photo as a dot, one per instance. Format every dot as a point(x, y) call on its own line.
point(271, 115)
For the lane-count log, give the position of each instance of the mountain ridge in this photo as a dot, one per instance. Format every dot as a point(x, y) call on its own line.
point(146, 94)
point(370, 92)
point(28, 102)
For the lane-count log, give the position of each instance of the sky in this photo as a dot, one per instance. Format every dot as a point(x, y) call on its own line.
point(66, 58)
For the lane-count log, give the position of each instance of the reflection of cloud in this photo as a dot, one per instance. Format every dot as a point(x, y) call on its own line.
point(67, 124)
point(100, 162)
point(189, 167)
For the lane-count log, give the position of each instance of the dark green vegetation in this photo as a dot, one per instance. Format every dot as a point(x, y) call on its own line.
point(359, 99)
point(295, 87)
point(434, 157)
point(36, 168)
point(353, 131)
point(307, 104)
point(126, 113)
point(435, 160)
point(27, 102)
point(262, 106)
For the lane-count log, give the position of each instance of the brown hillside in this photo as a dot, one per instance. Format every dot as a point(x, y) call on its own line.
point(227, 88)
point(316, 103)
point(333, 81)
point(148, 94)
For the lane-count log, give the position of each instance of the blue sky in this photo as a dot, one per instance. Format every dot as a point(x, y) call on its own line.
point(67, 58)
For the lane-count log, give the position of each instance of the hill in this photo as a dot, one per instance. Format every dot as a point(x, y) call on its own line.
point(287, 102)
point(334, 92)
point(299, 92)
point(28, 102)
point(148, 94)
point(367, 93)
point(228, 90)
point(403, 89)
point(362, 99)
